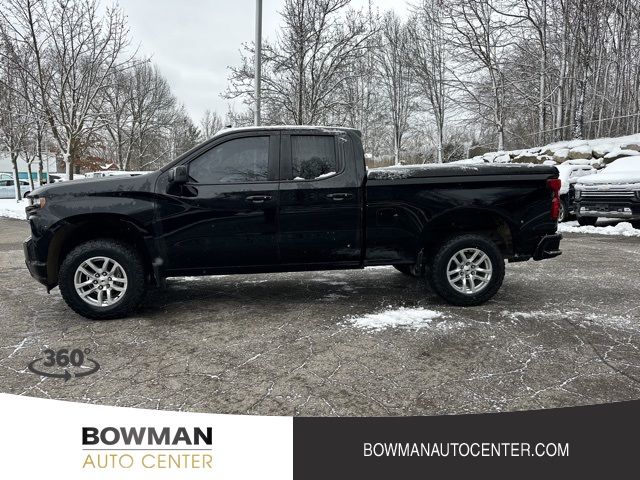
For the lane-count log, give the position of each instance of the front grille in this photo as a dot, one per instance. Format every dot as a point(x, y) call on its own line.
point(607, 195)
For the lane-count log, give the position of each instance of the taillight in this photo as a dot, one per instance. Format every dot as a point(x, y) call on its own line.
point(554, 186)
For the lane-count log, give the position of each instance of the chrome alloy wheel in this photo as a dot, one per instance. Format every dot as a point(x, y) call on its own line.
point(100, 281)
point(469, 270)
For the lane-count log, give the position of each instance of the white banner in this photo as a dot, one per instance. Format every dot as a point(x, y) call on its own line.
point(41, 438)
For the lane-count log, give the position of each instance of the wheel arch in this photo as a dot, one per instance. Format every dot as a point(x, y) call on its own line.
point(82, 228)
point(489, 223)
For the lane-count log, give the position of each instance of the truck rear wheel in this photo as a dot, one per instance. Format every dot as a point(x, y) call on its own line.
point(466, 270)
point(102, 279)
point(563, 213)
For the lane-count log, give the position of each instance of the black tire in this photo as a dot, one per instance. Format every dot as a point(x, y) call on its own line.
point(635, 224)
point(587, 221)
point(563, 215)
point(130, 261)
point(437, 273)
point(405, 269)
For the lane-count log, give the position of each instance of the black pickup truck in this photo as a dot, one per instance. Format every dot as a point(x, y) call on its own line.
point(273, 199)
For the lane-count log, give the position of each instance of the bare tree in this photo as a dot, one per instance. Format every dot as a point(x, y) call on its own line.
point(305, 66)
point(210, 124)
point(14, 119)
point(429, 61)
point(481, 48)
point(141, 108)
point(396, 76)
point(75, 51)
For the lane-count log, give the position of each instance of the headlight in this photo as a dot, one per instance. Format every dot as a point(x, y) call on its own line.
point(578, 194)
point(37, 202)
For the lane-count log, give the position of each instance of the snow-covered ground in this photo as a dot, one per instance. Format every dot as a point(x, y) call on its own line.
point(13, 209)
point(624, 229)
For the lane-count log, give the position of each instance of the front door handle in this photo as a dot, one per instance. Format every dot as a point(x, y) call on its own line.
point(258, 198)
point(338, 197)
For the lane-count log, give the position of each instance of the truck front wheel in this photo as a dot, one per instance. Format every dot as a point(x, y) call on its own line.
point(466, 270)
point(102, 279)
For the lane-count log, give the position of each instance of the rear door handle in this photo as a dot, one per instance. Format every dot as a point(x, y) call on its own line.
point(258, 198)
point(339, 196)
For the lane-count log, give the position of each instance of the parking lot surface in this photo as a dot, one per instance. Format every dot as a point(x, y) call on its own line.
point(562, 332)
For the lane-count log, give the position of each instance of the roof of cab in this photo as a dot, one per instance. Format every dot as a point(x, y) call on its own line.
point(315, 128)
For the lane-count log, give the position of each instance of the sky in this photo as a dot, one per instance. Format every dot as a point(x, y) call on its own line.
point(193, 42)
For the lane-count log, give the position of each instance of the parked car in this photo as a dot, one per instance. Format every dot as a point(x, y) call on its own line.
point(276, 199)
point(570, 171)
point(8, 188)
point(614, 193)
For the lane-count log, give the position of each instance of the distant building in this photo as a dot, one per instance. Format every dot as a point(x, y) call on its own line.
point(7, 167)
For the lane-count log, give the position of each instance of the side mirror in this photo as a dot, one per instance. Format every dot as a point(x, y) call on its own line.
point(179, 174)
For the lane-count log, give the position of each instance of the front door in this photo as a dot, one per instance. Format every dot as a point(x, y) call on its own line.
point(226, 214)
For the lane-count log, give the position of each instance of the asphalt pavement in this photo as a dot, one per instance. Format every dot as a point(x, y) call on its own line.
point(561, 332)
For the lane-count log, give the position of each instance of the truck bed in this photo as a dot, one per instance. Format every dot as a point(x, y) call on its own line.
point(439, 170)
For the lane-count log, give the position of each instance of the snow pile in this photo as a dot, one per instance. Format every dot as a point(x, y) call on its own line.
point(598, 151)
point(407, 318)
point(624, 229)
point(13, 209)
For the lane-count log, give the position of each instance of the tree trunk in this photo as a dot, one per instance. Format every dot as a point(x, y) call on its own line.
point(396, 146)
point(30, 173)
point(578, 125)
point(40, 171)
point(16, 176)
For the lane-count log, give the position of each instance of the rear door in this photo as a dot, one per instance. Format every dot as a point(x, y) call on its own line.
point(320, 203)
point(226, 215)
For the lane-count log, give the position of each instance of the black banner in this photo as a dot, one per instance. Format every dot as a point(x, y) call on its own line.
point(600, 441)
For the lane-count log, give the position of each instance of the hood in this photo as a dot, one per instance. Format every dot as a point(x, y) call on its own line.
point(93, 186)
point(613, 178)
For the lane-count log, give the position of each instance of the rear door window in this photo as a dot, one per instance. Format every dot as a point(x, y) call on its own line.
point(313, 157)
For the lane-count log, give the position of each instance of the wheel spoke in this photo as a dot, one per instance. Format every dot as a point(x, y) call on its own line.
point(89, 292)
point(474, 256)
point(105, 289)
point(469, 270)
point(86, 272)
point(93, 266)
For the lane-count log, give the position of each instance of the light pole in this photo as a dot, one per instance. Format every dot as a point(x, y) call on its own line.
point(258, 62)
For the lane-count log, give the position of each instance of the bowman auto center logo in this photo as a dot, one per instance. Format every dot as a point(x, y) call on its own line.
point(64, 363)
point(148, 447)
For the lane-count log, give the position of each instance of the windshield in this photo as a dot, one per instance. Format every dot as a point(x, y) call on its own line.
point(631, 164)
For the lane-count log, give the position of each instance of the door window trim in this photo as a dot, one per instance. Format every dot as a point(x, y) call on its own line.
point(286, 157)
point(273, 159)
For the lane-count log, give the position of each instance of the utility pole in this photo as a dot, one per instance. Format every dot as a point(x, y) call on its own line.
point(258, 62)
